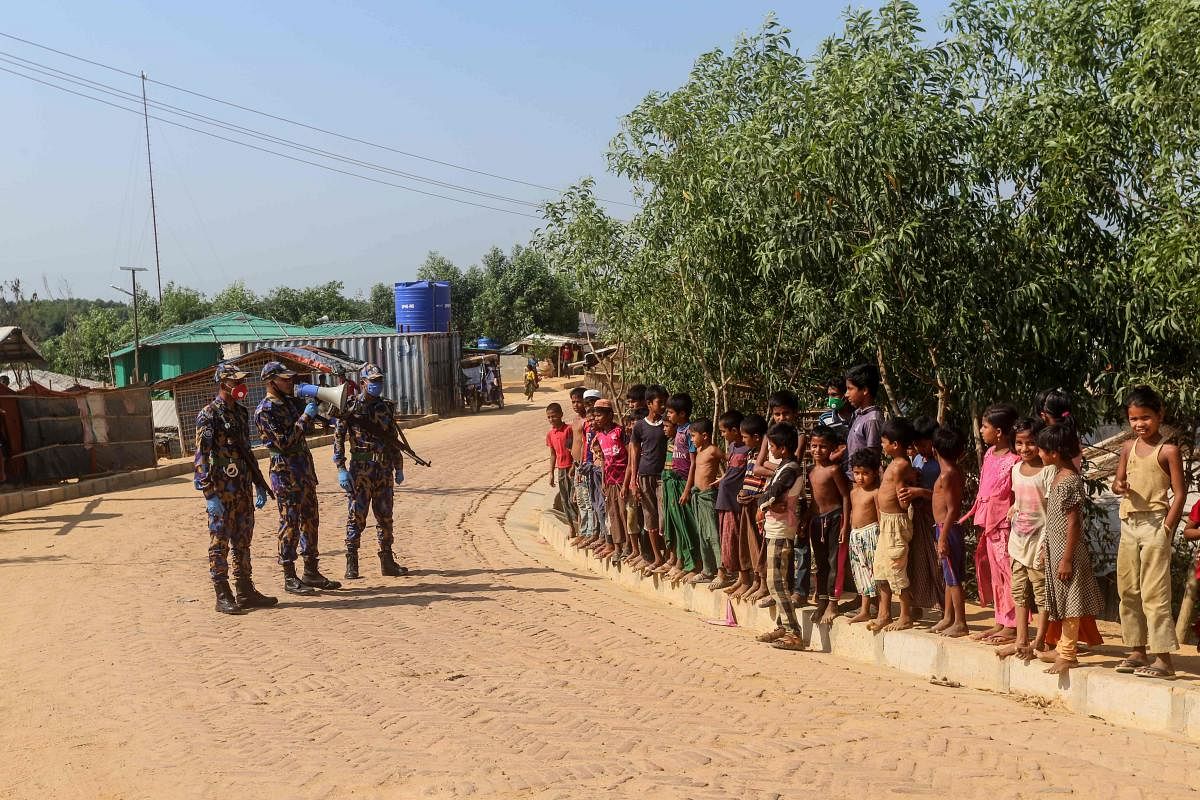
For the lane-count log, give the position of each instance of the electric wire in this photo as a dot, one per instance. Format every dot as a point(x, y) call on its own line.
point(269, 151)
point(305, 125)
point(121, 94)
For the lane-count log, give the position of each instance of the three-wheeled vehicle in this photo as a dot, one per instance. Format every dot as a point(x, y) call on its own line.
point(481, 385)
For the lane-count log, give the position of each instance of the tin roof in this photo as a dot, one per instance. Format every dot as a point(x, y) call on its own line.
point(353, 327)
point(15, 347)
point(232, 326)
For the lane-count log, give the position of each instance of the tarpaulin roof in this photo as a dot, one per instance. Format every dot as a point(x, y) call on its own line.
point(300, 359)
point(232, 326)
point(15, 347)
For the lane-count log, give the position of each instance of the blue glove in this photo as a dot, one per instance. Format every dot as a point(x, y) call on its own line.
point(399, 475)
point(312, 409)
point(215, 507)
point(306, 390)
point(344, 481)
point(260, 496)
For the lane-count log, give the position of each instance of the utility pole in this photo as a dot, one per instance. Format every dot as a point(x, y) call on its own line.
point(137, 366)
point(153, 211)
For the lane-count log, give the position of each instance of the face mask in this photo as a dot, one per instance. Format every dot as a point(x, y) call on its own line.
point(374, 388)
point(239, 391)
point(835, 403)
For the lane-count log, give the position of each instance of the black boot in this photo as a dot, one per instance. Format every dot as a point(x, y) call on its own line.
point(225, 602)
point(351, 564)
point(292, 584)
point(312, 577)
point(388, 565)
point(249, 597)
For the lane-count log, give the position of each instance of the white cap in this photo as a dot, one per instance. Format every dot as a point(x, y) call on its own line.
point(592, 394)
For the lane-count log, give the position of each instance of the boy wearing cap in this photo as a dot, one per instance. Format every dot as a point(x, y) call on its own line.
point(369, 423)
point(610, 442)
point(224, 469)
point(293, 477)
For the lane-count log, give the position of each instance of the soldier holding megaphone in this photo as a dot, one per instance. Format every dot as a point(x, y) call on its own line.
point(282, 427)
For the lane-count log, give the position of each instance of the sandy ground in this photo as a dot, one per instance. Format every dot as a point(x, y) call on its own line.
point(492, 671)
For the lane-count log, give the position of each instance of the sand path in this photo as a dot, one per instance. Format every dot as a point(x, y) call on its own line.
point(493, 671)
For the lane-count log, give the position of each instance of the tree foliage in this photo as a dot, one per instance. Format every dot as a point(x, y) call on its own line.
point(1008, 208)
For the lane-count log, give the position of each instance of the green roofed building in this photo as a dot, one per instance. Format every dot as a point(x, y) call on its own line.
point(196, 345)
point(354, 327)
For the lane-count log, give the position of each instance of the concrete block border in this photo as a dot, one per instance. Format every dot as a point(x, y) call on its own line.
point(25, 499)
point(1161, 706)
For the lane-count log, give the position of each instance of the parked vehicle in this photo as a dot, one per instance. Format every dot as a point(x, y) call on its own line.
point(481, 384)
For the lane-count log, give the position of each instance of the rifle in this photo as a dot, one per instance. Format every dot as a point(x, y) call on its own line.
point(393, 437)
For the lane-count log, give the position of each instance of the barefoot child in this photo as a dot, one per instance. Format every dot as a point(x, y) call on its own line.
point(829, 528)
point(895, 528)
point(709, 459)
point(993, 567)
point(558, 440)
point(1030, 481)
point(727, 507)
point(924, 572)
point(610, 442)
point(949, 444)
point(647, 456)
point(783, 406)
point(583, 499)
point(778, 514)
point(754, 430)
point(677, 482)
point(635, 556)
point(864, 535)
point(1148, 469)
point(1073, 599)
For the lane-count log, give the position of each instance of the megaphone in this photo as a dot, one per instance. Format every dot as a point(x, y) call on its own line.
point(334, 396)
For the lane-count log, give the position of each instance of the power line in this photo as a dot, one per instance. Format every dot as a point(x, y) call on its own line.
point(121, 94)
point(267, 150)
point(305, 125)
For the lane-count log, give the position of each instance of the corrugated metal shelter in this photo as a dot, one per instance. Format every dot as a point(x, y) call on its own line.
point(196, 345)
point(72, 435)
point(420, 369)
point(193, 391)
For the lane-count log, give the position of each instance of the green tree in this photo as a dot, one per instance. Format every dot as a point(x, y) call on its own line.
point(520, 295)
point(382, 302)
point(465, 286)
point(236, 297)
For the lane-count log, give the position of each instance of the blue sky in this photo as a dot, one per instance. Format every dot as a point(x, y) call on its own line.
point(532, 90)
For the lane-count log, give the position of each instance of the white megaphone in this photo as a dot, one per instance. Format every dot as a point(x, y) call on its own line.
point(334, 396)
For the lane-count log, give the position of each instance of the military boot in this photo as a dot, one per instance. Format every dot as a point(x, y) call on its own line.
point(388, 565)
point(292, 584)
point(351, 564)
point(249, 597)
point(226, 604)
point(312, 577)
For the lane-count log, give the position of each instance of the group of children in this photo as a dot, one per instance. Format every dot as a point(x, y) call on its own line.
point(871, 505)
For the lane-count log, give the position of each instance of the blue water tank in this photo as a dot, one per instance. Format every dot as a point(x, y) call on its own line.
point(441, 307)
point(414, 307)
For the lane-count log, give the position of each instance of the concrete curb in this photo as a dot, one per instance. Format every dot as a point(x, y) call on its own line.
point(25, 499)
point(1167, 707)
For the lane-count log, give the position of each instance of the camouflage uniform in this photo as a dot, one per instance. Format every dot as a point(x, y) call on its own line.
point(282, 427)
point(370, 466)
point(223, 470)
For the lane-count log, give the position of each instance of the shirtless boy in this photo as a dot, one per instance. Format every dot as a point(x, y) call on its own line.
point(829, 529)
point(864, 535)
point(895, 528)
point(709, 461)
point(947, 505)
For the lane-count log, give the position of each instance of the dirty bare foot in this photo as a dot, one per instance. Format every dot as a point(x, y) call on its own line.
point(880, 623)
point(981, 635)
point(942, 624)
point(902, 624)
point(864, 615)
point(1061, 666)
point(1010, 649)
point(830, 614)
point(956, 631)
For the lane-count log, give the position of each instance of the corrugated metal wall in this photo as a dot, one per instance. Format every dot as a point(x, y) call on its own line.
point(420, 369)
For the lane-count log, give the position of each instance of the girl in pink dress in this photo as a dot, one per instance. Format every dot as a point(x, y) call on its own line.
point(993, 568)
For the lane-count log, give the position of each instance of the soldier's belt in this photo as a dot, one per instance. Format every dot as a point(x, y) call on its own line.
point(231, 467)
point(366, 455)
point(275, 451)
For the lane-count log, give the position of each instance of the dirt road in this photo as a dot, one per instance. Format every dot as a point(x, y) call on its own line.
point(493, 671)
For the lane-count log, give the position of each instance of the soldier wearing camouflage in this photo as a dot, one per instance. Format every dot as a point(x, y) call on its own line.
point(282, 426)
point(367, 473)
point(225, 470)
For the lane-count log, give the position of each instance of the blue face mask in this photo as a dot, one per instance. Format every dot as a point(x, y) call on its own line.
point(374, 388)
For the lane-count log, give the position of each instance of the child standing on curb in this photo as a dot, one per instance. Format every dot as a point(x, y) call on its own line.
point(1073, 599)
point(993, 567)
point(829, 527)
point(709, 459)
point(864, 535)
point(736, 455)
point(558, 439)
point(947, 502)
point(778, 514)
point(895, 528)
point(1148, 469)
point(754, 429)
